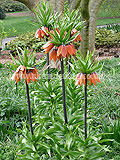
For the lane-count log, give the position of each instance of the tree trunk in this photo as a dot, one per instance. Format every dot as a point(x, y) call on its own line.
point(58, 5)
point(85, 30)
point(75, 4)
point(93, 8)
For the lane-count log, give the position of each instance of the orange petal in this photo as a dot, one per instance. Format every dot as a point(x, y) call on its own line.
point(27, 78)
point(17, 77)
point(64, 51)
point(70, 50)
point(37, 33)
point(46, 45)
point(53, 55)
point(93, 79)
point(33, 77)
point(43, 33)
point(49, 48)
point(35, 72)
point(97, 78)
point(52, 33)
point(77, 81)
point(59, 51)
point(46, 29)
point(82, 79)
point(89, 79)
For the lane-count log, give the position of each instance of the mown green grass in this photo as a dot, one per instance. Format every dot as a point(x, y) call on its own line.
point(20, 24)
point(107, 21)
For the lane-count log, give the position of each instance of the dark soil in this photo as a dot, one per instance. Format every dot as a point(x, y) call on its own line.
point(5, 56)
point(101, 53)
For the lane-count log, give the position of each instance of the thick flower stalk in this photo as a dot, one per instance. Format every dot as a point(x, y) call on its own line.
point(87, 74)
point(45, 20)
point(28, 72)
point(60, 46)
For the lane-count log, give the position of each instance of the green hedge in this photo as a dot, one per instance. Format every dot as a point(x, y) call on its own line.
point(12, 6)
point(2, 13)
point(104, 37)
point(27, 40)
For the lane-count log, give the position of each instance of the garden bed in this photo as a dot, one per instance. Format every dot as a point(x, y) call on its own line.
point(101, 53)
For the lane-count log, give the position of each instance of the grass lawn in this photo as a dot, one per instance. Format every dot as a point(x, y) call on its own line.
point(107, 21)
point(21, 25)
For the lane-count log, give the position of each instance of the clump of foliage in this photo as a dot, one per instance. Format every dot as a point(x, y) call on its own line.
point(2, 13)
point(105, 37)
point(11, 6)
point(114, 27)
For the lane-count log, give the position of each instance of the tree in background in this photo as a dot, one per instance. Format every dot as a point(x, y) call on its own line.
point(89, 10)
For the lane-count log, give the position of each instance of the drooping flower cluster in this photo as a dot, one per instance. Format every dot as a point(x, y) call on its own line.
point(42, 33)
point(29, 74)
point(60, 51)
point(92, 78)
point(58, 44)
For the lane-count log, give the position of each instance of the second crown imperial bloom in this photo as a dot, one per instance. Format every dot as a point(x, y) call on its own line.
point(29, 74)
point(92, 78)
point(41, 33)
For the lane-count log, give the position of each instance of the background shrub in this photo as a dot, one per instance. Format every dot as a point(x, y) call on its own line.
point(27, 40)
point(2, 13)
point(11, 6)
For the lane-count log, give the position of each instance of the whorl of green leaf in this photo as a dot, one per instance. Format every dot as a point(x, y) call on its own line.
point(75, 17)
point(27, 59)
point(86, 65)
point(44, 14)
point(64, 37)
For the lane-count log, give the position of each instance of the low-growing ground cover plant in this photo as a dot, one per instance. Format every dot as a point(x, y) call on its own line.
point(48, 115)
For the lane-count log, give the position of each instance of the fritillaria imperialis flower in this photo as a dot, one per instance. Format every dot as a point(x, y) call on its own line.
point(60, 51)
point(29, 74)
point(80, 79)
point(53, 55)
point(66, 50)
point(78, 38)
point(41, 33)
point(92, 78)
point(48, 46)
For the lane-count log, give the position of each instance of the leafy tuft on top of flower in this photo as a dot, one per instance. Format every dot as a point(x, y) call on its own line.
point(86, 66)
point(25, 67)
point(45, 18)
